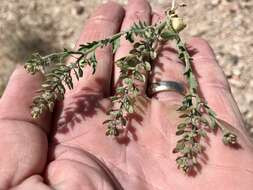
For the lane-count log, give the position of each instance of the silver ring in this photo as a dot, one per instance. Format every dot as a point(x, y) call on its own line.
point(163, 86)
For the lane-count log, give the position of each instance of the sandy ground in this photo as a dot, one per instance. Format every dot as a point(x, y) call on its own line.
point(49, 25)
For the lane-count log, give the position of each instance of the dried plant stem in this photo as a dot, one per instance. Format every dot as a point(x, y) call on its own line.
point(173, 4)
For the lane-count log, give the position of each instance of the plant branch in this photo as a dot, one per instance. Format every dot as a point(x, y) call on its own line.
point(196, 116)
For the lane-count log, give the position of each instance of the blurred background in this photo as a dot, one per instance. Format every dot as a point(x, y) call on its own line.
point(28, 26)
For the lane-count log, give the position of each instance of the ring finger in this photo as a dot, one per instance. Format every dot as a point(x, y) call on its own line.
point(167, 67)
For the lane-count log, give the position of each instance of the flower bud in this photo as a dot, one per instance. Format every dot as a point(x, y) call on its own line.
point(229, 138)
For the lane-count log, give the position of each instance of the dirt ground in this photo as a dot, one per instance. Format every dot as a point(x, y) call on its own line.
point(50, 25)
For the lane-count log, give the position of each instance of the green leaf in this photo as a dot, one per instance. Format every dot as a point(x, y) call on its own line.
point(180, 146)
point(153, 55)
point(181, 126)
point(202, 133)
point(120, 90)
point(76, 74)
point(180, 132)
point(112, 131)
point(184, 163)
point(107, 121)
point(80, 72)
point(139, 26)
point(69, 83)
point(147, 66)
point(53, 75)
point(139, 76)
point(212, 123)
point(128, 107)
point(182, 108)
point(115, 44)
point(211, 112)
point(184, 116)
point(105, 42)
point(130, 36)
point(186, 150)
point(193, 82)
point(128, 81)
point(197, 148)
point(93, 62)
point(123, 121)
point(203, 120)
point(116, 113)
point(87, 46)
point(34, 64)
point(168, 35)
point(114, 98)
point(83, 62)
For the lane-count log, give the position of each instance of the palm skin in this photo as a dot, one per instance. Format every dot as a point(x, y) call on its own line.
point(78, 155)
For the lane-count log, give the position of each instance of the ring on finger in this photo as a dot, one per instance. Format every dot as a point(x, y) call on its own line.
point(163, 86)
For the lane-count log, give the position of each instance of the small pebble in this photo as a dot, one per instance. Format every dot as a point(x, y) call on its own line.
point(251, 132)
point(79, 10)
point(67, 33)
point(215, 2)
point(236, 71)
point(237, 83)
point(251, 83)
point(232, 59)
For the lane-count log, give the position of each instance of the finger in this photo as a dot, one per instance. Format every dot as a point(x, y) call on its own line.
point(23, 140)
point(105, 22)
point(167, 66)
point(213, 84)
point(136, 10)
point(17, 99)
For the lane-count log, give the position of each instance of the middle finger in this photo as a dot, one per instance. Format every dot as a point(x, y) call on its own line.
point(137, 10)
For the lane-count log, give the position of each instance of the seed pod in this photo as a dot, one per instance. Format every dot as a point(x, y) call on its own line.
point(178, 24)
point(167, 33)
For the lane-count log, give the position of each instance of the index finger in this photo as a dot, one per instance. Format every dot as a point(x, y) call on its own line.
point(23, 140)
point(16, 101)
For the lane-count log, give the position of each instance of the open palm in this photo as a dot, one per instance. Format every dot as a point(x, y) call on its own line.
point(69, 150)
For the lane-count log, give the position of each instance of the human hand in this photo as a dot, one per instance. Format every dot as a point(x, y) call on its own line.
point(78, 155)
